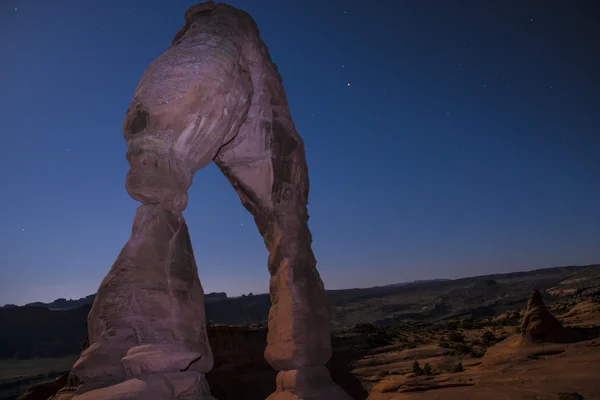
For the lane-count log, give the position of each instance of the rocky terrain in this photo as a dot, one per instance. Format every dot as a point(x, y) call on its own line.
point(469, 338)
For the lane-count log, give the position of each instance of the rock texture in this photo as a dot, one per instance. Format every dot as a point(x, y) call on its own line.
point(538, 324)
point(215, 95)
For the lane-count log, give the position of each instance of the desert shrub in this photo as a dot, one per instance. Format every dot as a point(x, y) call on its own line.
point(427, 369)
point(416, 368)
point(492, 323)
point(410, 345)
point(477, 324)
point(452, 325)
point(488, 338)
point(477, 353)
point(570, 396)
point(463, 348)
point(456, 337)
point(445, 345)
point(364, 327)
point(457, 368)
point(466, 324)
point(518, 329)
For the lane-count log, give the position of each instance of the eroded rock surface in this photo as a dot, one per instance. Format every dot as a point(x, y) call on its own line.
point(215, 95)
point(148, 317)
point(539, 324)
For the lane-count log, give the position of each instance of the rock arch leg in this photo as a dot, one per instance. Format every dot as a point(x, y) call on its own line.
point(266, 165)
point(147, 327)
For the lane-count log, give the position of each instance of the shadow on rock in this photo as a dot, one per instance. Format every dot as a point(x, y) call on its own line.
point(340, 365)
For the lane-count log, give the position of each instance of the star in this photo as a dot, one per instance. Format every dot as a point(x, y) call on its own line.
point(23, 230)
point(348, 83)
point(68, 150)
point(15, 8)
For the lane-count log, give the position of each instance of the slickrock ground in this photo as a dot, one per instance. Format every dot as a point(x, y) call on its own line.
point(462, 357)
point(378, 363)
point(514, 368)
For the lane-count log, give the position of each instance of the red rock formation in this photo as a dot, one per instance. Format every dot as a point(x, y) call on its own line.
point(538, 324)
point(215, 95)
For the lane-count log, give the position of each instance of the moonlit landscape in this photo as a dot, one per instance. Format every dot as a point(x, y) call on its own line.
point(453, 159)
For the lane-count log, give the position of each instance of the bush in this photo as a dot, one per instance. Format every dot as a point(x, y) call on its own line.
point(451, 325)
point(427, 369)
point(570, 396)
point(477, 353)
point(456, 337)
point(466, 324)
point(445, 345)
point(488, 338)
point(457, 368)
point(463, 348)
point(417, 368)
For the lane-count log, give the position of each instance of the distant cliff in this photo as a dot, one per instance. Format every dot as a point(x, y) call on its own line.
point(64, 304)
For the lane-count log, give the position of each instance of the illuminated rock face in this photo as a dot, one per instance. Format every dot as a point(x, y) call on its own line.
point(538, 324)
point(214, 95)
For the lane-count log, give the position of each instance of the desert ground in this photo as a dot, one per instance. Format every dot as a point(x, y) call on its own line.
point(432, 340)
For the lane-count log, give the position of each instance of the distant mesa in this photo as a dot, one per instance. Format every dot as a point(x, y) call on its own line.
point(417, 282)
point(214, 296)
point(64, 304)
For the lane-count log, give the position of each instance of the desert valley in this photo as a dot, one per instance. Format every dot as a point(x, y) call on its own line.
point(487, 337)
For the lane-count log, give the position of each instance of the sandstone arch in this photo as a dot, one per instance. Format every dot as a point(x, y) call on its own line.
point(215, 95)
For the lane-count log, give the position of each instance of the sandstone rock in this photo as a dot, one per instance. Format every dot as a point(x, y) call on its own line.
point(538, 323)
point(215, 95)
point(508, 317)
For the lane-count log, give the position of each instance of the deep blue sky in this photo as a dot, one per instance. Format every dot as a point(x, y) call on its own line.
point(468, 141)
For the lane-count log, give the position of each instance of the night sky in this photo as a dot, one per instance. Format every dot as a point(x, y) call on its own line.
point(444, 139)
